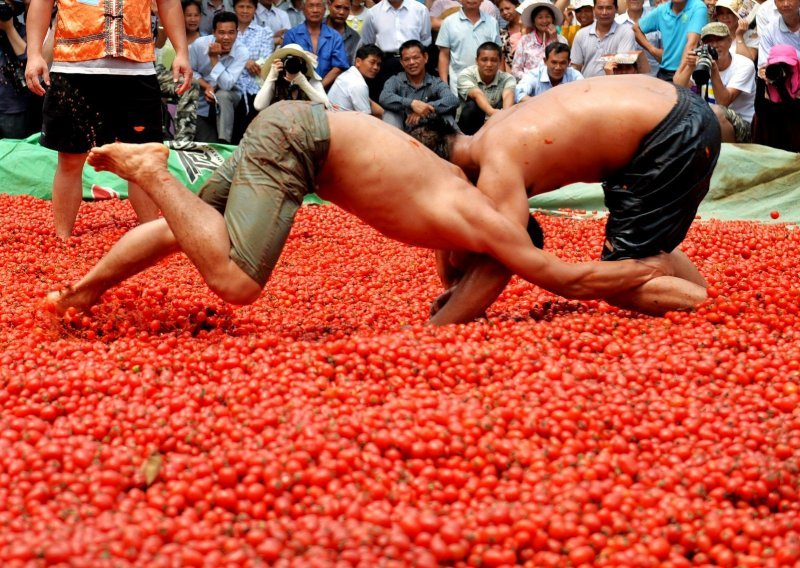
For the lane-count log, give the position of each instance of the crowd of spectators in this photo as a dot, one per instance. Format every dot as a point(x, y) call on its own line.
point(406, 61)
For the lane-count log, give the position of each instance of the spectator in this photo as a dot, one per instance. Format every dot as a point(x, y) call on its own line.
point(209, 9)
point(218, 60)
point(603, 37)
point(350, 91)
point(541, 17)
point(268, 16)
point(294, 10)
point(632, 16)
point(511, 33)
point(781, 30)
point(291, 76)
point(338, 12)
point(766, 12)
point(746, 40)
point(358, 14)
point(321, 40)
point(102, 88)
point(777, 118)
point(442, 9)
point(186, 102)
point(732, 84)
point(459, 38)
point(583, 12)
point(14, 95)
point(414, 96)
point(259, 44)
point(555, 71)
point(388, 25)
point(679, 22)
point(483, 89)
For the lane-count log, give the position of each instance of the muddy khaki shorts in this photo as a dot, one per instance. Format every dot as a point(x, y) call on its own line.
point(654, 200)
point(260, 187)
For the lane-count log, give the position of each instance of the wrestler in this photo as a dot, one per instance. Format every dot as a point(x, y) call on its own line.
point(651, 144)
point(235, 229)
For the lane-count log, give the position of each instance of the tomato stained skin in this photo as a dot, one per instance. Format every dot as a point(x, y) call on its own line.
point(327, 424)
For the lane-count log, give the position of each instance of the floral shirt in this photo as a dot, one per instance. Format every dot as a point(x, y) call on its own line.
point(530, 54)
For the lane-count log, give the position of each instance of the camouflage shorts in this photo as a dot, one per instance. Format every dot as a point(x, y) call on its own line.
point(742, 130)
point(261, 185)
point(186, 110)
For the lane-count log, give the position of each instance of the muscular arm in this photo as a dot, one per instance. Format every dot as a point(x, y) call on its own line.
point(481, 279)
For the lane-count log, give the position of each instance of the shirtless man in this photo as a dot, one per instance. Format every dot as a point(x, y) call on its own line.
point(654, 147)
point(235, 230)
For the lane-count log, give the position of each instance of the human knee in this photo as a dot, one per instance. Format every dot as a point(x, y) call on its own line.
point(240, 290)
point(71, 162)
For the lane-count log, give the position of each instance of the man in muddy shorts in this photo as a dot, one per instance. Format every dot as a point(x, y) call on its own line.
point(653, 146)
point(235, 232)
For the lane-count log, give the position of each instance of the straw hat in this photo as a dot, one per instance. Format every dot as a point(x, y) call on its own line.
point(297, 51)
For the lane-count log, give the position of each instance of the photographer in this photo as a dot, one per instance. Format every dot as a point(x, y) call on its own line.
point(291, 77)
point(14, 95)
point(728, 80)
point(777, 120)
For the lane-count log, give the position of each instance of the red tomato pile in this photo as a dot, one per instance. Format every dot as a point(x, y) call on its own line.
point(326, 425)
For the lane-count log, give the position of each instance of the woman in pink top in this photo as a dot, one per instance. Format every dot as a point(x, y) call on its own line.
point(541, 17)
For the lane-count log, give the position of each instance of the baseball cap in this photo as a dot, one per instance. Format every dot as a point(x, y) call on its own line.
point(716, 29)
point(782, 54)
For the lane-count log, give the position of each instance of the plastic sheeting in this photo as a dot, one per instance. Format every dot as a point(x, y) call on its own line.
point(750, 181)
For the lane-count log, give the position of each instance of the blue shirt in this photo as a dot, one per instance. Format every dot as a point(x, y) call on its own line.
point(537, 81)
point(330, 47)
point(259, 44)
point(224, 74)
point(674, 28)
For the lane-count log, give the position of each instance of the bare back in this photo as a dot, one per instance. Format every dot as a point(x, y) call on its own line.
point(391, 181)
point(582, 131)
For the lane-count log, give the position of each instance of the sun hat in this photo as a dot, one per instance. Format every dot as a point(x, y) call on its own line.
point(732, 5)
point(716, 29)
point(578, 4)
point(529, 6)
point(297, 51)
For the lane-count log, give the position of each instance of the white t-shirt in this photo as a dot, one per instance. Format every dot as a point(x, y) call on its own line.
point(350, 92)
point(740, 75)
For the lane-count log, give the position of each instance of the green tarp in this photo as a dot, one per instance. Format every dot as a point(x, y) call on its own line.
point(750, 181)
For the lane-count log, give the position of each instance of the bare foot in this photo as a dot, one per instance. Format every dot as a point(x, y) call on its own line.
point(59, 301)
point(130, 161)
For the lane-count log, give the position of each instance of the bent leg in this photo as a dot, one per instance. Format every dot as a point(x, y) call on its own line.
point(199, 229)
point(67, 192)
point(683, 291)
point(139, 248)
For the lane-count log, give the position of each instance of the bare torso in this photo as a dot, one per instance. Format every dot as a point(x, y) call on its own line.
point(582, 131)
point(389, 180)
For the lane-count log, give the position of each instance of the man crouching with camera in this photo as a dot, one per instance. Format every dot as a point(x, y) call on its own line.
point(725, 78)
point(291, 75)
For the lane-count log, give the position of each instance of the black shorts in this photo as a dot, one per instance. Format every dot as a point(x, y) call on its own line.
point(654, 200)
point(84, 110)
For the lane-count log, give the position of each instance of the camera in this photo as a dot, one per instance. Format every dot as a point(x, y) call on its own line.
point(7, 12)
point(293, 64)
point(777, 73)
point(706, 55)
